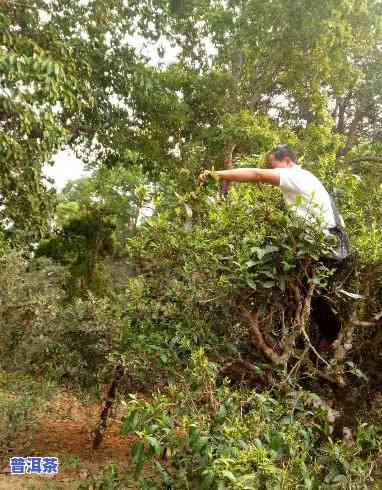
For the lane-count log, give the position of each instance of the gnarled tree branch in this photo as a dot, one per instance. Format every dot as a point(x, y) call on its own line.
point(365, 158)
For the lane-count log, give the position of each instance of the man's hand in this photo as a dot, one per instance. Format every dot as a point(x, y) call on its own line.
point(205, 175)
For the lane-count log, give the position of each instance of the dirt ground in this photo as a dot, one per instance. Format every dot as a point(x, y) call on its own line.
point(66, 432)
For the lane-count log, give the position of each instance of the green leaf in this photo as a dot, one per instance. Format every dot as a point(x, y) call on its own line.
point(166, 477)
point(138, 453)
point(268, 284)
point(251, 284)
point(155, 444)
point(229, 475)
point(351, 295)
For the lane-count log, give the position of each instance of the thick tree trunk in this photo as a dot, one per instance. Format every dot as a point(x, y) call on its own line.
point(352, 134)
point(237, 62)
point(228, 164)
point(340, 113)
point(110, 398)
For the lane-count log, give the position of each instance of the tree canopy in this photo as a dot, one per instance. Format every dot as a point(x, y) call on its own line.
point(193, 304)
point(248, 74)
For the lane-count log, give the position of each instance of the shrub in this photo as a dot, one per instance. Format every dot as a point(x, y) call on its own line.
point(199, 435)
point(40, 334)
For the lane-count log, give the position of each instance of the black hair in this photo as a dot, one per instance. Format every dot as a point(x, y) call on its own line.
point(283, 151)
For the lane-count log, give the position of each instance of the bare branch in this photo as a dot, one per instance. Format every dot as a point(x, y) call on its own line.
point(258, 338)
point(365, 158)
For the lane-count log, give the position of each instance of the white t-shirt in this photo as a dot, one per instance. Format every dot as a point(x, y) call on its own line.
point(315, 200)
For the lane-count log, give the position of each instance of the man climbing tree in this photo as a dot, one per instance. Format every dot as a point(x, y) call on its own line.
point(310, 200)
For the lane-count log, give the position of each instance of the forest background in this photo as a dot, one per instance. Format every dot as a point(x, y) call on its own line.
point(196, 317)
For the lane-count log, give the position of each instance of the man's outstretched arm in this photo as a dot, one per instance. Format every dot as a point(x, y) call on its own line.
point(261, 175)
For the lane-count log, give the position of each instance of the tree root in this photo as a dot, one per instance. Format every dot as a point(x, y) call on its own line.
point(257, 337)
point(299, 323)
point(288, 341)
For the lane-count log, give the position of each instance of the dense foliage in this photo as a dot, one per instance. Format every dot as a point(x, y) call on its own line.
point(203, 306)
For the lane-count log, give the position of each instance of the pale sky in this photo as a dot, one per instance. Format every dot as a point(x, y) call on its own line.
point(66, 166)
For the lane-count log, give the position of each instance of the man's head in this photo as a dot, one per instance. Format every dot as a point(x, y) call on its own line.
point(282, 156)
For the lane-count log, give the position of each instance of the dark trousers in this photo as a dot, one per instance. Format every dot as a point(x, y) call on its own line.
point(326, 320)
point(322, 313)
